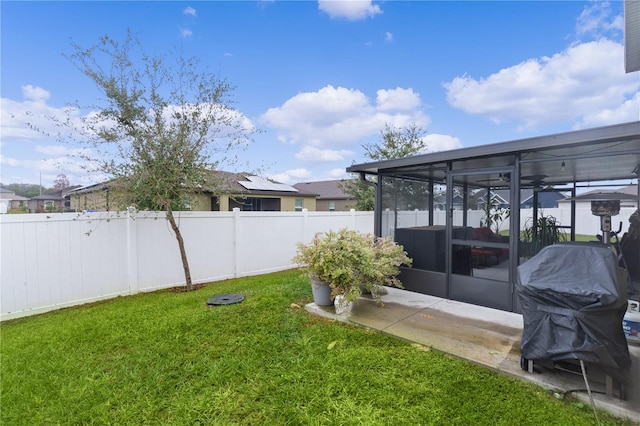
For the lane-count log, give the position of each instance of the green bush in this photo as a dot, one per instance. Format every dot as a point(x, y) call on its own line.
point(350, 261)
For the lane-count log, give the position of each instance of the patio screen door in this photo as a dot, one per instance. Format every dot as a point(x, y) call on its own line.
point(479, 238)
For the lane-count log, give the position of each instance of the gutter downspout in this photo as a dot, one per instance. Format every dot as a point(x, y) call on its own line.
point(377, 203)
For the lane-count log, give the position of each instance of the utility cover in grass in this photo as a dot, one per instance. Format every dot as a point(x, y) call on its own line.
point(225, 299)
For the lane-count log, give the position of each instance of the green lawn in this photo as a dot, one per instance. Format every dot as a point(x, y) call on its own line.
point(166, 358)
point(582, 237)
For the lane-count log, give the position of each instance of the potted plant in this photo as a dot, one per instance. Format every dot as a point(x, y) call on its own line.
point(348, 261)
point(494, 216)
point(544, 232)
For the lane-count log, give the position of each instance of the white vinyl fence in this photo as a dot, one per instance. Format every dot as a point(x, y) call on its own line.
point(50, 261)
point(586, 222)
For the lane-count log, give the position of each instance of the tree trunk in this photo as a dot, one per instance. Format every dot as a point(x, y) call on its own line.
point(183, 252)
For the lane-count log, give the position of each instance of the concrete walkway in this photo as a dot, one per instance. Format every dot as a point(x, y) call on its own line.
point(484, 336)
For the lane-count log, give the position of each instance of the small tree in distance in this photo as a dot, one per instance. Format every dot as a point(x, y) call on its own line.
point(162, 127)
point(363, 194)
point(395, 142)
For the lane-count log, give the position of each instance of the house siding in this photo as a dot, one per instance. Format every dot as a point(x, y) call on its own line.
point(341, 205)
point(100, 200)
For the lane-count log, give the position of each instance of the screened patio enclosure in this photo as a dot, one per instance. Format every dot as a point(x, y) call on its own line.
point(454, 211)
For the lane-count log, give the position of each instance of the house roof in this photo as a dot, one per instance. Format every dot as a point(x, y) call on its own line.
point(53, 196)
point(228, 182)
point(248, 183)
point(7, 194)
point(629, 192)
point(57, 195)
point(324, 189)
point(527, 193)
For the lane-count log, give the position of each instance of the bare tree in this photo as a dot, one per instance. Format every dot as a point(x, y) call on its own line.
point(160, 129)
point(61, 182)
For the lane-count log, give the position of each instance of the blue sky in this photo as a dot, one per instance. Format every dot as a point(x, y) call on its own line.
point(322, 78)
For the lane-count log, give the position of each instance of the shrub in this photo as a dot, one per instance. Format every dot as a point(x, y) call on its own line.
point(351, 262)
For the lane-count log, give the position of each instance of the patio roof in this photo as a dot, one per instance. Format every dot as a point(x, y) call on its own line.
point(590, 155)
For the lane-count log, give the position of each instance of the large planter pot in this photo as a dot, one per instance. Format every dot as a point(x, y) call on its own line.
point(321, 292)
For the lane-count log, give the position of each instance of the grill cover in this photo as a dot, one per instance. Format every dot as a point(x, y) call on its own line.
point(573, 301)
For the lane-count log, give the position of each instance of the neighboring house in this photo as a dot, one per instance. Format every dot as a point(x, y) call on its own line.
point(476, 201)
point(58, 201)
point(226, 192)
point(10, 201)
point(440, 200)
point(253, 193)
point(330, 196)
point(547, 197)
point(627, 195)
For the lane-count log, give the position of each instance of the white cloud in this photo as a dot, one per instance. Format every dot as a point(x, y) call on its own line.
point(55, 165)
point(29, 121)
point(626, 112)
point(33, 119)
point(596, 20)
point(291, 176)
point(14, 116)
point(187, 32)
point(397, 99)
point(337, 118)
point(579, 82)
point(337, 174)
point(189, 11)
point(351, 10)
point(309, 153)
point(332, 123)
point(229, 123)
point(294, 176)
point(35, 93)
point(299, 173)
point(60, 151)
point(436, 142)
point(388, 36)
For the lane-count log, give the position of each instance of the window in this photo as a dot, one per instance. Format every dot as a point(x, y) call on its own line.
point(332, 206)
point(215, 204)
point(49, 206)
point(256, 204)
point(299, 204)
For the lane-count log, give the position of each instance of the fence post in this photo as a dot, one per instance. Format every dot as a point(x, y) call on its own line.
point(132, 250)
point(236, 239)
point(305, 227)
point(353, 219)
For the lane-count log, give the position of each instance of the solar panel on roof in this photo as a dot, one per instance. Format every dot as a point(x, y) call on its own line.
point(258, 183)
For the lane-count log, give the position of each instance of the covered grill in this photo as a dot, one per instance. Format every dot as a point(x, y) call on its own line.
point(573, 299)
